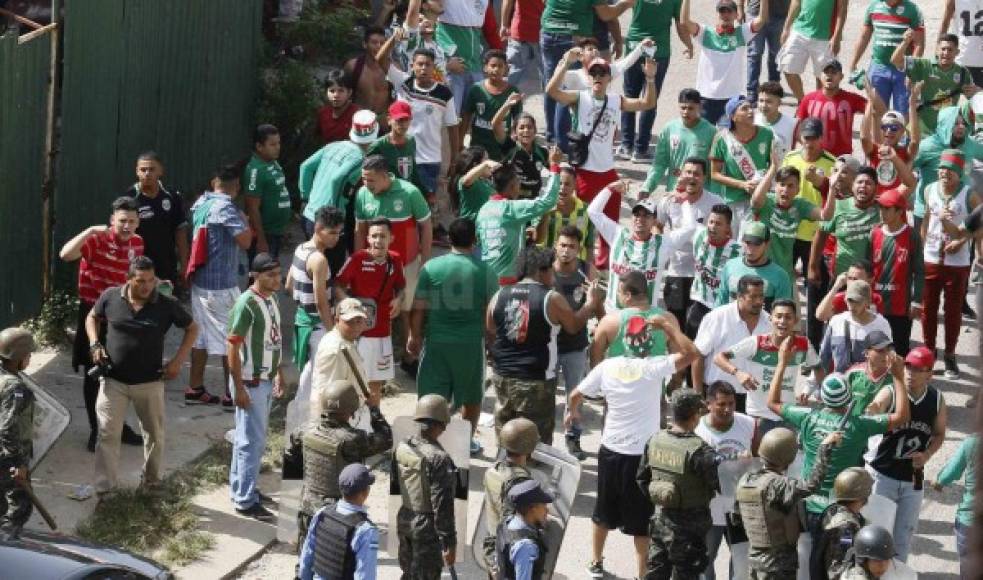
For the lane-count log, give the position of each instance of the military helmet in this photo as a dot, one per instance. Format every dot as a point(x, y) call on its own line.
point(874, 543)
point(778, 447)
point(433, 408)
point(340, 398)
point(685, 402)
point(520, 436)
point(852, 484)
point(15, 344)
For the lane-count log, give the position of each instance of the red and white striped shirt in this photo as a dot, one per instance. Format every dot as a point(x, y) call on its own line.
point(105, 262)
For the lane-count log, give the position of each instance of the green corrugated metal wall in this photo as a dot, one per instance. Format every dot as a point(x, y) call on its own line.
point(23, 103)
point(175, 76)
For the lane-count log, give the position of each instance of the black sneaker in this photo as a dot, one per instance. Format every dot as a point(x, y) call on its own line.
point(228, 404)
point(258, 512)
point(265, 499)
point(968, 312)
point(951, 368)
point(410, 367)
point(573, 447)
point(93, 437)
point(130, 437)
point(596, 570)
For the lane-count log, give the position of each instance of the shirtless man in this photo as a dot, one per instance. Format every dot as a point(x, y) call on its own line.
point(371, 86)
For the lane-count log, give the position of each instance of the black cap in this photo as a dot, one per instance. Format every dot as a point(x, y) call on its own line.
point(263, 263)
point(833, 62)
point(811, 127)
point(355, 478)
point(877, 340)
point(528, 492)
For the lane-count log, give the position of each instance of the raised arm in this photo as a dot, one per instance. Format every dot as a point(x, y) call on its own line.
point(385, 51)
point(900, 51)
point(760, 194)
point(825, 310)
point(481, 170)
point(607, 227)
point(498, 121)
point(947, 12)
point(902, 411)
point(686, 352)
point(691, 28)
point(649, 96)
point(555, 87)
point(72, 250)
point(560, 312)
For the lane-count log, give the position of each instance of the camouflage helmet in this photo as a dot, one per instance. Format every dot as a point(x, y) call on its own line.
point(778, 447)
point(520, 436)
point(340, 398)
point(685, 402)
point(15, 344)
point(433, 408)
point(874, 543)
point(852, 484)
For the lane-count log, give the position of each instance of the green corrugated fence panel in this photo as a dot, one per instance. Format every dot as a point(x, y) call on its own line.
point(23, 105)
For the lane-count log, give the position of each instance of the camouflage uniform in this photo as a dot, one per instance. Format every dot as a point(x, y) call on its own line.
point(839, 525)
point(425, 522)
point(781, 495)
point(16, 449)
point(679, 470)
point(532, 399)
point(498, 481)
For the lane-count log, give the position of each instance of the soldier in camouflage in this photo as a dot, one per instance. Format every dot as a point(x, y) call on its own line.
point(16, 430)
point(770, 503)
point(873, 550)
point(840, 523)
point(332, 445)
point(679, 471)
point(519, 438)
point(427, 481)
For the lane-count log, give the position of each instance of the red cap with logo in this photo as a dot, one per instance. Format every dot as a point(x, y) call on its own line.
point(920, 357)
point(892, 198)
point(400, 110)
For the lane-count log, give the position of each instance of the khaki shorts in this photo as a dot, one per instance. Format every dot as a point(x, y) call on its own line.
point(411, 272)
point(210, 310)
point(799, 50)
point(377, 356)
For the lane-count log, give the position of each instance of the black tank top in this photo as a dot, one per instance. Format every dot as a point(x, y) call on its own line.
point(525, 341)
point(571, 286)
point(893, 457)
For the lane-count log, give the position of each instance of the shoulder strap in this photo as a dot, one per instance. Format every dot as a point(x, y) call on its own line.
point(740, 154)
point(597, 119)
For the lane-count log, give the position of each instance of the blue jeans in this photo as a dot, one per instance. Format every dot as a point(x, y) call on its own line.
point(715, 537)
point(522, 56)
point(429, 175)
point(713, 110)
point(573, 365)
point(889, 83)
point(962, 548)
point(772, 34)
point(250, 442)
point(554, 46)
point(909, 502)
point(460, 83)
point(634, 83)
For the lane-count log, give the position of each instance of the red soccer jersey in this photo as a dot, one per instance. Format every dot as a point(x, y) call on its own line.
point(887, 176)
point(375, 285)
point(105, 262)
point(895, 258)
point(335, 129)
point(526, 20)
point(837, 116)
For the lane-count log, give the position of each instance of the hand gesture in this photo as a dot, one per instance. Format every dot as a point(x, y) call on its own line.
point(616, 49)
point(399, 35)
point(98, 354)
point(776, 153)
point(658, 321)
point(787, 349)
point(489, 166)
point(897, 365)
point(916, 91)
point(953, 246)
point(746, 380)
point(841, 281)
point(834, 438)
point(595, 292)
point(750, 186)
point(514, 99)
point(648, 42)
point(649, 69)
point(812, 175)
point(100, 229)
point(802, 399)
point(455, 64)
point(887, 152)
point(556, 155)
point(618, 187)
point(573, 55)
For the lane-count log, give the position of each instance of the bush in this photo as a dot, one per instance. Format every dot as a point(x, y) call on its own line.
point(58, 314)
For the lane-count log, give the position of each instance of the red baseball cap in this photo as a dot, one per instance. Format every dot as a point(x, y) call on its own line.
point(892, 198)
point(400, 110)
point(599, 62)
point(920, 357)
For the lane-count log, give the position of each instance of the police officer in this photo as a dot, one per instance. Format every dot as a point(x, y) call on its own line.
point(768, 503)
point(873, 549)
point(16, 430)
point(333, 444)
point(427, 480)
point(679, 471)
point(519, 543)
point(519, 438)
point(342, 542)
point(840, 523)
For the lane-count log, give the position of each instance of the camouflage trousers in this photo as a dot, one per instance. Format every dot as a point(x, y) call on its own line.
point(774, 563)
point(535, 400)
point(420, 556)
point(15, 508)
point(678, 546)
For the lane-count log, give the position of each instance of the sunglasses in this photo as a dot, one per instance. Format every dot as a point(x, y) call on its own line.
point(722, 9)
point(594, 74)
point(891, 128)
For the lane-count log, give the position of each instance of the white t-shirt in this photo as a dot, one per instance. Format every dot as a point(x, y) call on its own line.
point(720, 329)
point(464, 13)
point(669, 212)
point(720, 68)
point(577, 80)
point(632, 389)
point(937, 238)
point(760, 357)
point(970, 46)
point(784, 129)
point(730, 444)
point(601, 156)
point(433, 109)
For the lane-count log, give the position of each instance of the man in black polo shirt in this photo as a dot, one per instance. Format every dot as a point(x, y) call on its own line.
point(136, 317)
point(163, 224)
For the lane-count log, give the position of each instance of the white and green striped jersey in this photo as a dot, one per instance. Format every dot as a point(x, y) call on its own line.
point(710, 259)
point(255, 323)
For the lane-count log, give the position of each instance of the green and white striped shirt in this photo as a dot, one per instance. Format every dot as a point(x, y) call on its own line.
point(255, 323)
point(710, 260)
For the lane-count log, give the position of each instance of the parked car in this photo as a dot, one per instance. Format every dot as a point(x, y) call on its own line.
point(41, 556)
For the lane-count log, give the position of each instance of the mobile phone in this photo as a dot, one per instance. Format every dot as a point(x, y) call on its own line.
point(649, 51)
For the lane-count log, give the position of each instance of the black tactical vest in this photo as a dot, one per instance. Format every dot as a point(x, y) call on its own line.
point(323, 463)
point(333, 555)
point(503, 546)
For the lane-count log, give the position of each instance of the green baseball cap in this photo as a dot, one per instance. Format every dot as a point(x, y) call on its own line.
point(756, 232)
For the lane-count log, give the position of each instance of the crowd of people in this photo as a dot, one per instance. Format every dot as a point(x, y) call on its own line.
point(448, 235)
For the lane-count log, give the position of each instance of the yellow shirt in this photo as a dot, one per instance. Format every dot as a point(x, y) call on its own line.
point(807, 191)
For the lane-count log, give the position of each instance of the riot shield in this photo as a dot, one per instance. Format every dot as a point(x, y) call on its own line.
point(559, 473)
point(456, 441)
point(880, 511)
point(900, 571)
point(290, 486)
point(51, 418)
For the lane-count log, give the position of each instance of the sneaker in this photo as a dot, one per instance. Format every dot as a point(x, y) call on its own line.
point(596, 569)
point(228, 404)
point(200, 396)
point(951, 368)
point(130, 437)
point(623, 153)
point(93, 437)
point(410, 367)
point(256, 511)
point(968, 312)
point(476, 447)
point(573, 447)
point(641, 157)
point(265, 499)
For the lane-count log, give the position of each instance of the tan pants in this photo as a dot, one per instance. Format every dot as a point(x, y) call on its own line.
point(148, 402)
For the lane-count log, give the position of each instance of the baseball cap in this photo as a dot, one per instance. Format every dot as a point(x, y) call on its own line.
point(527, 493)
point(400, 110)
point(857, 291)
point(365, 127)
point(920, 357)
point(953, 159)
point(756, 232)
point(730, 108)
point(811, 127)
point(877, 340)
point(850, 161)
point(350, 308)
point(832, 62)
point(893, 118)
point(892, 198)
point(263, 262)
point(599, 62)
point(355, 478)
point(648, 204)
point(727, 4)
point(835, 392)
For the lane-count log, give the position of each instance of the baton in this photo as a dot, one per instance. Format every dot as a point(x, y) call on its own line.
point(358, 376)
point(846, 416)
point(37, 503)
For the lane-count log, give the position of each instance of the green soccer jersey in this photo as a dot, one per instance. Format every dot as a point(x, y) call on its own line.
point(851, 227)
point(744, 161)
point(783, 222)
point(676, 144)
point(456, 288)
point(501, 225)
point(942, 87)
point(482, 106)
point(265, 180)
point(575, 17)
point(404, 206)
point(813, 426)
point(889, 26)
point(464, 42)
point(777, 282)
point(255, 324)
point(864, 386)
point(619, 347)
point(815, 19)
point(327, 175)
point(710, 260)
point(472, 198)
point(401, 159)
point(653, 19)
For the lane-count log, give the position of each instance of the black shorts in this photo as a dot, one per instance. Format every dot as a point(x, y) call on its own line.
point(621, 503)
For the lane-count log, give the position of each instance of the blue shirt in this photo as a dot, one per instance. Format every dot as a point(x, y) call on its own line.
point(224, 223)
point(523, 553)
point(365, 545)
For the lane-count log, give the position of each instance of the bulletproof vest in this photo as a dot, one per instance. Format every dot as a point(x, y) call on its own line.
point(503, 547)
point(673, 485)
point(414, 482)
point(766, 526)
point(323, 461)
point(498, 481)
point(24, 423)
point(333, 555)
